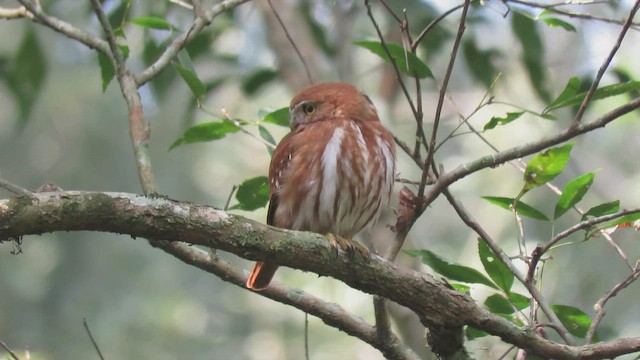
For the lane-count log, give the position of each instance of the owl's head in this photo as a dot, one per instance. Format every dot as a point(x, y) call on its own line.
point(327, 101)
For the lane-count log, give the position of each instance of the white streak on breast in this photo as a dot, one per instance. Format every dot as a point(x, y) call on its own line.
point(330, 172)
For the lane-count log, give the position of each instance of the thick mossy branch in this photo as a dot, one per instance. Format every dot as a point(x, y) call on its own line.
point(437, 304)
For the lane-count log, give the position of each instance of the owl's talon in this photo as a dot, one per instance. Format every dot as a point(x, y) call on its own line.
point(347, 245)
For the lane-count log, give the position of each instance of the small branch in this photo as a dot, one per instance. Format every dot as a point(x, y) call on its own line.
point(599, 306)
point(443, 90)
point(16, 189)
point(179, 42)
point(554, 9)
point(293, 43)
point(7, 349)
point(65, 28)
point(17, 13)
point(436, 21)
point(605, 65)
point(93, 341)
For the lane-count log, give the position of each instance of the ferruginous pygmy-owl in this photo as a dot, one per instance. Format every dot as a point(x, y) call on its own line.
point(333, 173)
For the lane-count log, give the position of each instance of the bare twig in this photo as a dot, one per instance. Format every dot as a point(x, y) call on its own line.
point(436, 21)
point(13, 355)
point(605, 65)
point(554, 9)
point(93, 341)
point(293, 43)
point(65, 28)
point(16, 189)
point(599, 306)
point(17, 13)
point(179, 42)
point(443, 90)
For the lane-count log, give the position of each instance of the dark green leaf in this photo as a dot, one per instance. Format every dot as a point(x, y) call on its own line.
point(575, 320)
point(107, 72)
point(191, 78)
point(28, 71)
point(278, 117)
point(522, 208)
point(151, 22)
point(602, 209)
point(497, 271)
point(205, 132)
point(406, 61)
point(252, 194)
point(473, 333)
point(497, 304)
point(601, 93)
point(545, 166)
point(479, 62)
point(555, 22)
point(533, 52)
point(572, 193)
point(252, 83)
point(502, 120)
point(266, 135)
point(451, 271)
point(119, 13)
point(569, 91)
point(521, 302)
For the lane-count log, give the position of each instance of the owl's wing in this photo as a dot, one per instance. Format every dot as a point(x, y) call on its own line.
point(279, 162)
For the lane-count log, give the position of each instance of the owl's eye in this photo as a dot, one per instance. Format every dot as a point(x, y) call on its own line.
point(308, 108)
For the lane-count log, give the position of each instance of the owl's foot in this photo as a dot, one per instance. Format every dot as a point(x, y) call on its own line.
point(348, 245)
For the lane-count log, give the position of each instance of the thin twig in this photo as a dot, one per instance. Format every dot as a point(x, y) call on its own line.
point(306, 335)
point(599, 306)
point(16, 189)
point(432, 24)
point(233, 190)
point(554, 9)
point(605, 65)
point(293, 43)
point(443, 90)
point(93, 341)
point(17, 13)
point(11, 353)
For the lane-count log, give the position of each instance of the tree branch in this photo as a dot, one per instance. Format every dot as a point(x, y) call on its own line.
point(438, 306)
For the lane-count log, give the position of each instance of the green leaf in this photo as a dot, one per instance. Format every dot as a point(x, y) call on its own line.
point(406, 61)
point(461, 287)
point(479, 62)
point(266, 135)
point(191, 78)
point(533, 52)
point(205, 132)
point(545, 166)
point(119, 13)
point(107, 72)
point(497, 304)
point(602, 209)
point(495, 121)
point(555, 22)
point(151, 22)
point(451, 271)
point(522, 208)
point(569, 91)
point(521, 302)
point(252, 83)
point(599, 94)
point(278, 117)
point(497, 271)
point(473, 333)
point(575, 320)
point(252, 194)
point(27, 74)
point(572, 193)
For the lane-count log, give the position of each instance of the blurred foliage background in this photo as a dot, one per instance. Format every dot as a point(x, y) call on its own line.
point(57, 125)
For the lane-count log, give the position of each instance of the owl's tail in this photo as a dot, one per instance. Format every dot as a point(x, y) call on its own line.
point(261, 275)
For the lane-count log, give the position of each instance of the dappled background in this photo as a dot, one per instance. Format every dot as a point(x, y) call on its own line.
point(58, 125)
